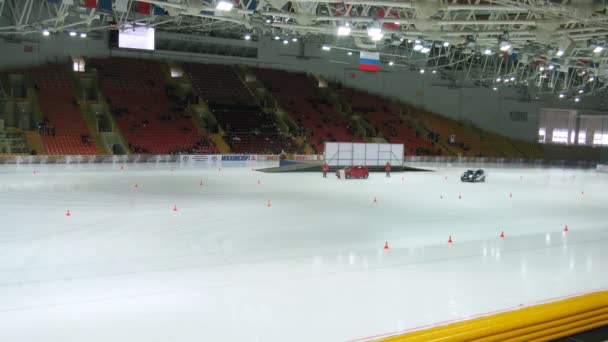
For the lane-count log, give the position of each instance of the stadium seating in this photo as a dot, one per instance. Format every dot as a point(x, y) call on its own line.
point(150, 120)
point(317, 118)
point(388, 125)
point(12, 141)
point(467, 142)
point(248, 129)
point(63, 130)
point(219, 84)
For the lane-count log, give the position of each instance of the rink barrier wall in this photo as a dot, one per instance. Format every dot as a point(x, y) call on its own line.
point(143, 158)
point(252, 158)
point(543, 322)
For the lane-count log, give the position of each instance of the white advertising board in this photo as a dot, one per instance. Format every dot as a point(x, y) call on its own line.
point(342, 154)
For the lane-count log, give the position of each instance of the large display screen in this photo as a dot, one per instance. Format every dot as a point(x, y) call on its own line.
point(138, 37)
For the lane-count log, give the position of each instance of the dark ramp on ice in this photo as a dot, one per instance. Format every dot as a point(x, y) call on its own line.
point(296, 166)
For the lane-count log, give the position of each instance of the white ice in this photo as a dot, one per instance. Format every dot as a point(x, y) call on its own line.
point(225, 267)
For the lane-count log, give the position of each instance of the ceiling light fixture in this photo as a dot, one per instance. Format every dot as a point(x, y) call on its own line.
point(343, 31)
point(224, 6)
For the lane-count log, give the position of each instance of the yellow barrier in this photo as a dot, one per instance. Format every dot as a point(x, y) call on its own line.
point(544, 322)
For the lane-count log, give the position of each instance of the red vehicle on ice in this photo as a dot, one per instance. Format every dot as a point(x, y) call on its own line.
point(354, 172)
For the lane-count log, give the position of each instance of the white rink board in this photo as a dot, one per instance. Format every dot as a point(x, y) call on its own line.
point(339, 154)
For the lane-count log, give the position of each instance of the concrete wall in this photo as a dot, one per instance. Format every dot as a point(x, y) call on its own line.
point(55, 48)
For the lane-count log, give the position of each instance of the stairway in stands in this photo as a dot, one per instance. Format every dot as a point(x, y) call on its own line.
point(246, 126)
point(316, 117)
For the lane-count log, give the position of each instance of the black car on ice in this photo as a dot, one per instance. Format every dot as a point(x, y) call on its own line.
point(473, 176)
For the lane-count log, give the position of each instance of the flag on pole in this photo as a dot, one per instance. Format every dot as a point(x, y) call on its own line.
point(90, 3)
point(143, 7)
point(105, 4)
point(369, 61)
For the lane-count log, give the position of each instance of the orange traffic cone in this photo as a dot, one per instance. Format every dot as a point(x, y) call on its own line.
point(268, 204)
point(386, 245)
point(450, 239)
point(67, 213)
point(201, 183)
point(135, 186)
point(566, 229)
point(375, 200)
point(502, 234)
point(175, 207)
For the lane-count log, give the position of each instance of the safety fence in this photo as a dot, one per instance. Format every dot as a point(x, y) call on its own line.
point(253, 158)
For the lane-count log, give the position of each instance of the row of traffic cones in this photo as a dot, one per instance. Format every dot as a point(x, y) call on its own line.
point(450, 240)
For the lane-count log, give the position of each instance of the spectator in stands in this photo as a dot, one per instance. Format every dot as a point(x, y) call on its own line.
point(387, 168)
point(325, 168)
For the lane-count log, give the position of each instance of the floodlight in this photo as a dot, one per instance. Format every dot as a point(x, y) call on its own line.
point(224, 6)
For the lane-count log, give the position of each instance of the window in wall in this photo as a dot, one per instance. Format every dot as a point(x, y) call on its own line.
point(78, 64)
point(600, 138)
point(582, 137)
point(519, 116)
point(560, 136)
point(541, 135)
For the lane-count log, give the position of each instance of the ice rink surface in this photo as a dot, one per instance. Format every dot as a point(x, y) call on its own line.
point(311, 267)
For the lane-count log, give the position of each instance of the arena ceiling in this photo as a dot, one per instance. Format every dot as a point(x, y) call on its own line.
point(555, 46)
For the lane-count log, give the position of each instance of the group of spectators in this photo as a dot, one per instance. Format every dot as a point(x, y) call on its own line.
point(195, 148)
point(45, 127)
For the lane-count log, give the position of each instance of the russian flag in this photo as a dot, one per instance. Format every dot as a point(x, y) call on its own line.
point(369, 61)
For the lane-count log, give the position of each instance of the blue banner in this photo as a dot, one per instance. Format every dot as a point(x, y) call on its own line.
point(235, 158)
